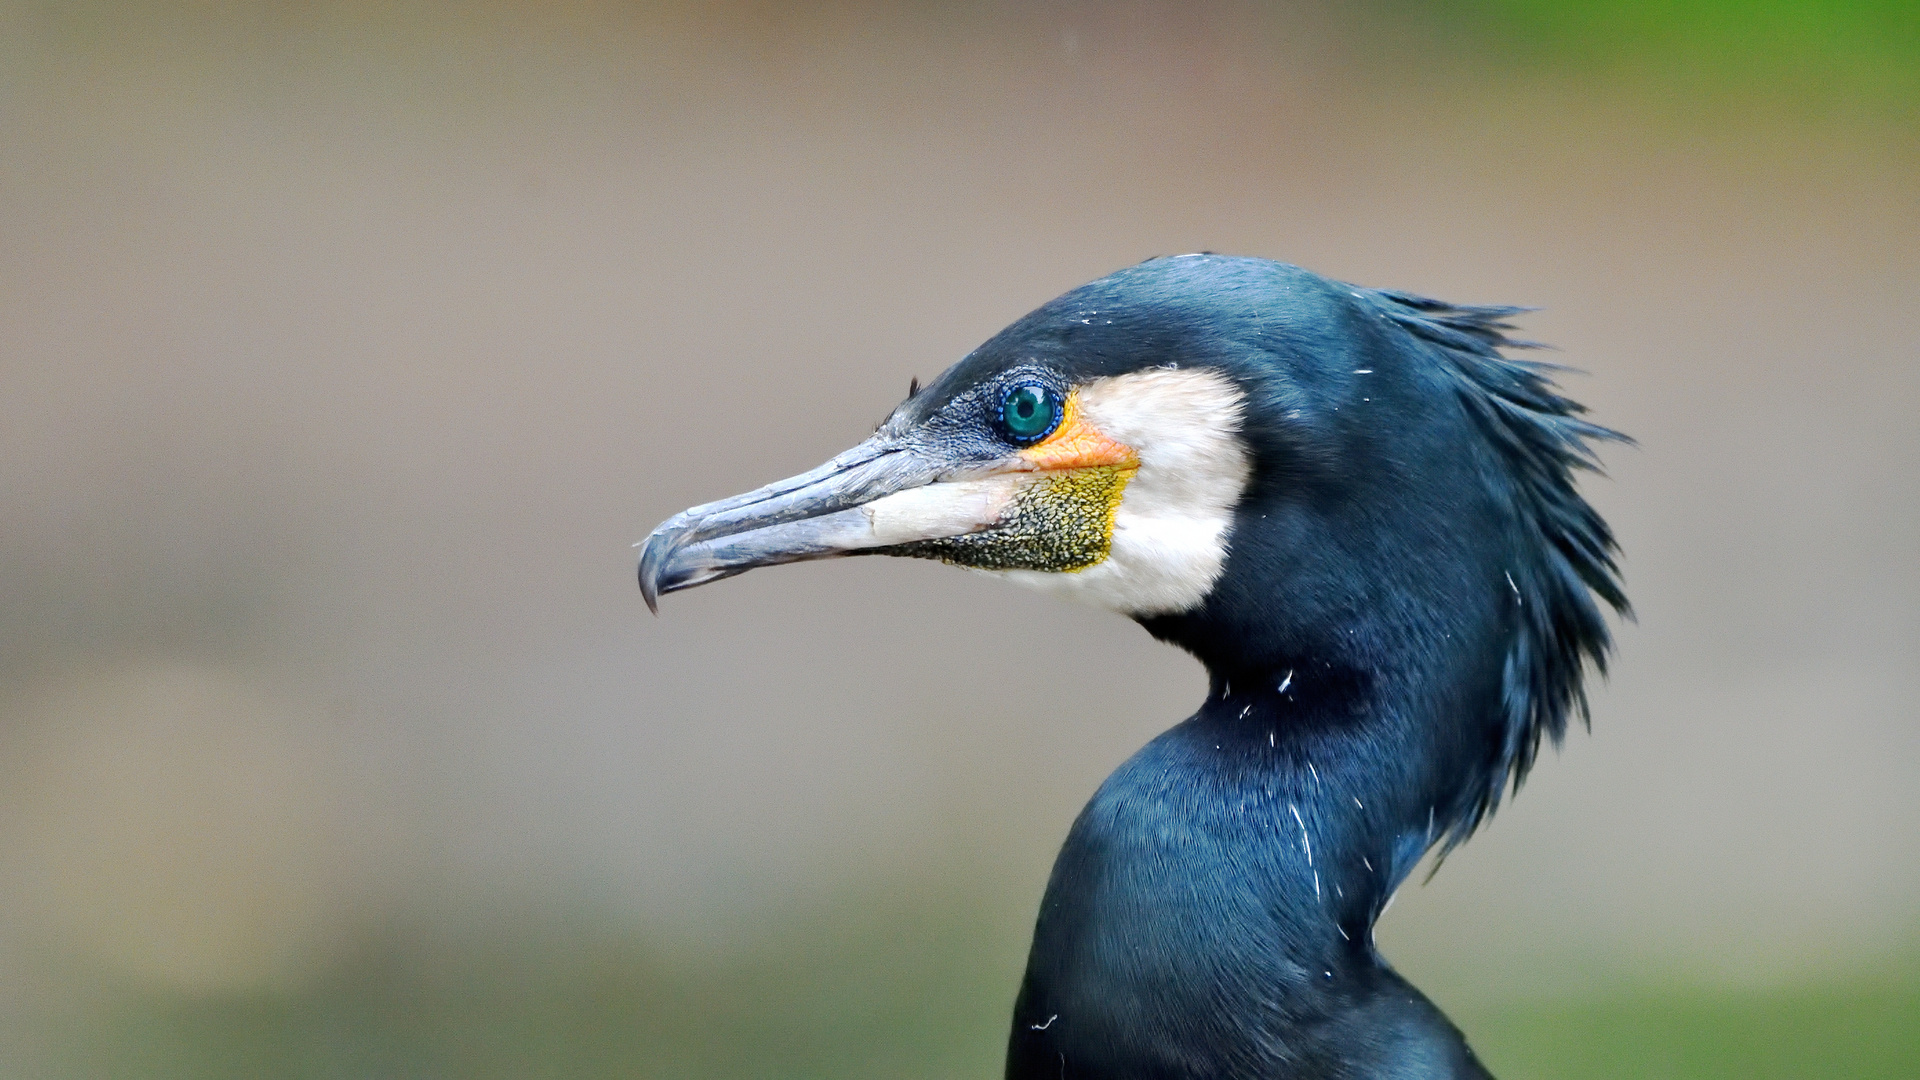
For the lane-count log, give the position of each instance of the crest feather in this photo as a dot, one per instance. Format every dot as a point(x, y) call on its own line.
point(1543, 440)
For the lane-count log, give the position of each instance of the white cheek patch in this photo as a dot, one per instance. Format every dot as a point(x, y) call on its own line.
point(1170, 531)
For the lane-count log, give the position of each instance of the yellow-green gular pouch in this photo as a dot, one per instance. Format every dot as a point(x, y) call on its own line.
point(1062, 522)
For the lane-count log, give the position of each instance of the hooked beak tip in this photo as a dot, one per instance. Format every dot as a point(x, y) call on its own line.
point(651, 557)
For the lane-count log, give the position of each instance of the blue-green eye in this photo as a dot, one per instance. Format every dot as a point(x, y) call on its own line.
point(1029, 413)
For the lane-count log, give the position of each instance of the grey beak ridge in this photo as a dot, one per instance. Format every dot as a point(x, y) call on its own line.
point(815, 515)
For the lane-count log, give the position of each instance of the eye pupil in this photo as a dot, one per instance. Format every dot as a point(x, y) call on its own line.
point(1029, 412)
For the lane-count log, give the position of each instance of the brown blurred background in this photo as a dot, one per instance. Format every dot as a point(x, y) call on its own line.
point(345, 348)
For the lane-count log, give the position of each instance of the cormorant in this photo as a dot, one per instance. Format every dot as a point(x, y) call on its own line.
point(1360, 516)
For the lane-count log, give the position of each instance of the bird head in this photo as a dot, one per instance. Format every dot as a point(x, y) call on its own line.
point(1271, 469)
point(1066, 454)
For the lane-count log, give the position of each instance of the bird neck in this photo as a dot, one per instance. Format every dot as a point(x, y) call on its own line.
point(1212, 910)
point(1377, 700)
point(1359, 781)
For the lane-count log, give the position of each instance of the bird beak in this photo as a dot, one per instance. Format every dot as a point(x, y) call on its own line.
point(879, 494)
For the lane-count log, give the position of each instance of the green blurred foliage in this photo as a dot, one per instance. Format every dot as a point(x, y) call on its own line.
point(900, 985)
point(1869, 1031)
point(1821, 59)
point(914, 988)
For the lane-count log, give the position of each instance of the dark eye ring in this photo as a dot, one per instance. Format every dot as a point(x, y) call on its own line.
point(1029, 412)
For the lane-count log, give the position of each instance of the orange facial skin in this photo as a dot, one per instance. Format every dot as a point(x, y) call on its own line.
point(1077, 445)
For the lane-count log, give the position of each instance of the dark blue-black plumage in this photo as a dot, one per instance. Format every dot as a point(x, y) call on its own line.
point(1411, 597)
point(1411, 594)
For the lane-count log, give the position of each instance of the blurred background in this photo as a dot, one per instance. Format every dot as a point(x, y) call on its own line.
point(346, 347)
